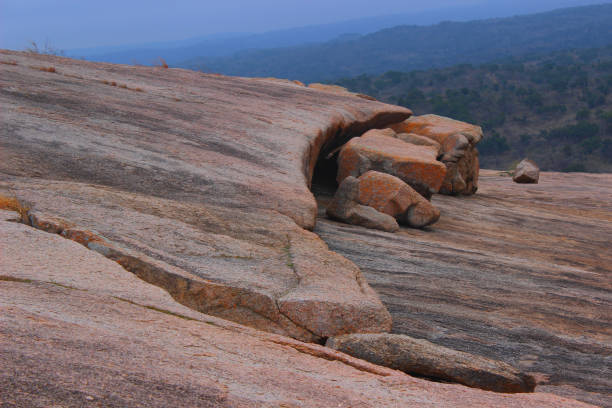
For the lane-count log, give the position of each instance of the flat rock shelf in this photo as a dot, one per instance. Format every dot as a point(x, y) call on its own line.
point(517, 273)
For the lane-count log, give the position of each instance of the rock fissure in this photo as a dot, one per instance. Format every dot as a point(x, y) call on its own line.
point(322, 151)
point(199, 295)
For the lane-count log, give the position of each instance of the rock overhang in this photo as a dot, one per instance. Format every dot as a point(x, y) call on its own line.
point(198, 176)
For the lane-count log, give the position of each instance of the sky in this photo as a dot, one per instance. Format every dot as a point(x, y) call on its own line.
point(68, 24)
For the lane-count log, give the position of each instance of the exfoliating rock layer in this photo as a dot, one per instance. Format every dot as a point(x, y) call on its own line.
point(198, 183)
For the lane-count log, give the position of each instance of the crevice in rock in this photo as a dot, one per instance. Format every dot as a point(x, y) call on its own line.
point(321, 165)
point(330, 355)
point(203, 296)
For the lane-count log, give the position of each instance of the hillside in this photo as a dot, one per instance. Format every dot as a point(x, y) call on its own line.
point(226, 44)
point(555, 108)
point(406, 48)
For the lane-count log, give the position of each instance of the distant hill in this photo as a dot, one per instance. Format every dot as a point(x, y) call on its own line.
point(406, 48)
point(228, 44)
point(555, 108)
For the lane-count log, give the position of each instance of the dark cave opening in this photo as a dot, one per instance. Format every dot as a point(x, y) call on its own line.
point(324, 177)
point(323, 182)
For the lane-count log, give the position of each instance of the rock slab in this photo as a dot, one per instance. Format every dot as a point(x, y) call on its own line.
point(76, 329)
point(425, 359)
point(517, 273)
point(199, 183)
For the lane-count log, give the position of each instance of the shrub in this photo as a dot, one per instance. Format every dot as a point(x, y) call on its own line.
point(577, 132)
point(13, 204)
point(162, 63)
point(575, 167)
point(46, 49)
point(591, 144)
point(583, 114)
point(495, 144)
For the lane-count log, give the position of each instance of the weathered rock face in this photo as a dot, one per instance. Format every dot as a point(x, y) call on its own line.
point(197, 183)
point(345, 207)
point(517, 273)
point(425, 359)
point(376, 150)
point(338, 90)
point(112, 340)
point(526, 172)
point(390, 195)
point(417, 139)
point(458, 142)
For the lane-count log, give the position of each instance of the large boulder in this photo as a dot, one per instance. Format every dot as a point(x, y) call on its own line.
point(379, 150)
point(526, 172)
point(425, 359)
point(345, 207)
point(458, 151)
point(390, 195)
point(417, 139)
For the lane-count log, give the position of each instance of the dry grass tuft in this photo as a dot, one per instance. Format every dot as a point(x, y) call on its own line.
point(48, 69)
point(73, 76)
point(13, 204)
point(6, 278)
point(8, 62)
point(123, 86)
point(162, 63)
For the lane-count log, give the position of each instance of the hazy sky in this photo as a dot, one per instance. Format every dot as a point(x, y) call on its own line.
point(87, 23)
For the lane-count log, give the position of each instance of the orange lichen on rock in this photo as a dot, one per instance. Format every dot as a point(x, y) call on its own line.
point(13, 204)
point(458, 152)
point(390, 195)
point(439, 128)
point(415, 165)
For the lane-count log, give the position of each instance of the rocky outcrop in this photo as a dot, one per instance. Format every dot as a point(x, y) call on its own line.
point(425, 359)
point(520, 275)
point(390, 195)
point(526, 172)
point(458, 151)
point(345, 207)
point(199, 182)
point(110, 339)
point(378, 150)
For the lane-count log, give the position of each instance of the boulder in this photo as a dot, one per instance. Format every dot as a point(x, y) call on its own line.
point(526, 172)
point(417, 139)
point(376, 150)
point(390, 195)
point(458, 142)
point(345, 207)
point(425, 359)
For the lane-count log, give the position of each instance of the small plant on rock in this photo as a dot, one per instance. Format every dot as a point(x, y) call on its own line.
point(13, 204)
